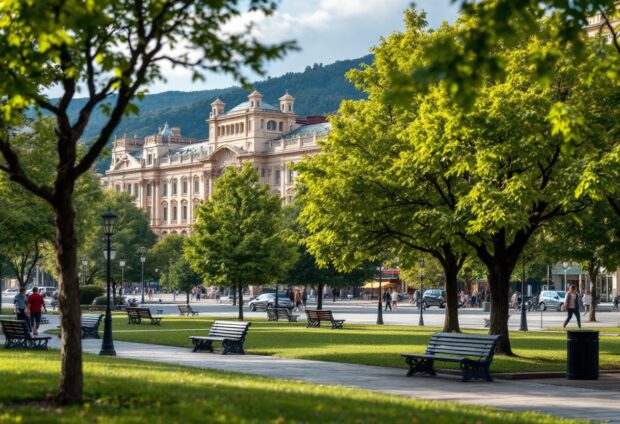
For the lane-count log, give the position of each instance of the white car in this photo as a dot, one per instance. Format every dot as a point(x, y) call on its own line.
point(11, 291)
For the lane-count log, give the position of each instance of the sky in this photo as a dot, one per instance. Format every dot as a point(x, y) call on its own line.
point(325, 30)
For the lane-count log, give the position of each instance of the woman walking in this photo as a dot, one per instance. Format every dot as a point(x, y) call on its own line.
point(571, 304)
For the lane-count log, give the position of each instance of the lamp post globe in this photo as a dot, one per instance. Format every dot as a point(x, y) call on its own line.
point(421, 321)
point(108, 221)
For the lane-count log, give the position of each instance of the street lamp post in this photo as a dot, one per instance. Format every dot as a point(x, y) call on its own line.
point(523, 326)
point(107, 347)
point(142, 260)
point(565, 266)
point(421, 322)
point(379, 305)
point(122, 263)
point(84, 268)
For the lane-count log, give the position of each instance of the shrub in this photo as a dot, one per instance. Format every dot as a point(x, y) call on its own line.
point(89, 293)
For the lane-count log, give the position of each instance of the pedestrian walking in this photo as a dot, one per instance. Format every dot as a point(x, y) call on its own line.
point(587, 302)
point(571, 304)
point(304, 298)
point(35, 303)
point(388, 300)
point(19, 301)
point(394, 300)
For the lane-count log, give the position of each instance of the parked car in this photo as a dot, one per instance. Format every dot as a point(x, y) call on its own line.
point(11, 291)
point(434, 297)
point(268, 300)
point(47, 291)
point(552, 299)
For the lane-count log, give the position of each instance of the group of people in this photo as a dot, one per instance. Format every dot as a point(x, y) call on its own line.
point(299, 298)
point(29, 308)
point(391, 300)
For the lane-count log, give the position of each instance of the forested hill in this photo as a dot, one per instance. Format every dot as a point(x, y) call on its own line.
point(318, 90)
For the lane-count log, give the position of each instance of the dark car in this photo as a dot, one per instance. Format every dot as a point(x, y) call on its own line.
point(268, 300)
point(434, 297)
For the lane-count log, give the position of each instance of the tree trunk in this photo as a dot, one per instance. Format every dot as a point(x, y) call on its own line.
point(187, 297)
point(319, 299)
point(593, 273)
point(240, 302)
point(451, 320)
point(234, 290)
point(499, 284)
point(71, 379)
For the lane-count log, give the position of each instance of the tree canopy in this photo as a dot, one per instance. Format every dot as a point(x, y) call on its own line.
point(240, 236)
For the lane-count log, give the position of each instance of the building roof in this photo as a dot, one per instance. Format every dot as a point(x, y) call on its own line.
point(192, 148)
point(309, 130)
point(245, 106)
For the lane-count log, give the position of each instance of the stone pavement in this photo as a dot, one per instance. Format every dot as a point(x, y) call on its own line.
point(599, 402)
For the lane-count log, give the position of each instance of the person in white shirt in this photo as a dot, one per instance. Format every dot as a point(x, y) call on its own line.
point(587, 301)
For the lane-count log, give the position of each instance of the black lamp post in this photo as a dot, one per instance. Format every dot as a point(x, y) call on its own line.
point(142, 260)
point(379, 305)
point(523, 325)
point(421, 322)
point(107, 347)
point(84, 268)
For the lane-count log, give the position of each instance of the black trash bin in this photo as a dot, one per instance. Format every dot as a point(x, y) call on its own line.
point(582, 355)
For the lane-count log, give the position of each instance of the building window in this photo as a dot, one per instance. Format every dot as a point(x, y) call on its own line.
point(280, 126)
point(290, 107)
point(184, 216)
point(129, 188)
point(262, 172)
point(174, 214)
point(184, 186)
point(164, 189)
point(291, 176)
point(165, 214)
point(149, 189)
point(271, 125)
point(136, 191)
point(149, 159)
point(174, 187)
point(118, 188)
point(196, 185)
point(262, 124)
point(277, 177)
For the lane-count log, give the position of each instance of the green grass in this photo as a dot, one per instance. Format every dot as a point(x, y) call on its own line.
point(363, 344)
point(125, 391)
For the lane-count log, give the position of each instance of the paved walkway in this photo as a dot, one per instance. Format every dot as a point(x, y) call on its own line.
point(600, 402)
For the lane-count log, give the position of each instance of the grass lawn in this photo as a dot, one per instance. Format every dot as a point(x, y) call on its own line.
point(118, 390)
point(362, 344)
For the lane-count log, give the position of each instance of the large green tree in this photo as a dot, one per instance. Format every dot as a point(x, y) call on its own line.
point(108, 51)
point(360, 198)
point(240, 237)
point(179, 275)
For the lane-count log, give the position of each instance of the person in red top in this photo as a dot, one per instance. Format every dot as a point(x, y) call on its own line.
point(35, 302)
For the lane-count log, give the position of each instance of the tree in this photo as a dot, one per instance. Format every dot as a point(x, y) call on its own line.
point(240, 235)
point(109, 51)
point(592, 239)
point(167, 251)
point(464, 63)
point(132, 232)
point(180, 276)
point(360, 198)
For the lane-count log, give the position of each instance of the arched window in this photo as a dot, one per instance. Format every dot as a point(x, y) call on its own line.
point(271, 125)
point(196, 185)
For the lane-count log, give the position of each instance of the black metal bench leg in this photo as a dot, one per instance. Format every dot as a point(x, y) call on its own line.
point(422, 366)
point(231, 346)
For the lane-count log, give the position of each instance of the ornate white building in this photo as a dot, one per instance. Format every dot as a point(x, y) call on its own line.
point(169, 174)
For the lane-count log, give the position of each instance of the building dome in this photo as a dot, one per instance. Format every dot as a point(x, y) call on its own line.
point(166, 131)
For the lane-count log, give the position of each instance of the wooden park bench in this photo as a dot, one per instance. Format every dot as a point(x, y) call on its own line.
point(315, 317)
point(90, 325)
point(473, 352)
point(17, 334)
point(230, 333)
point(185, 309)
point(275, 314)
point(136, 315)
